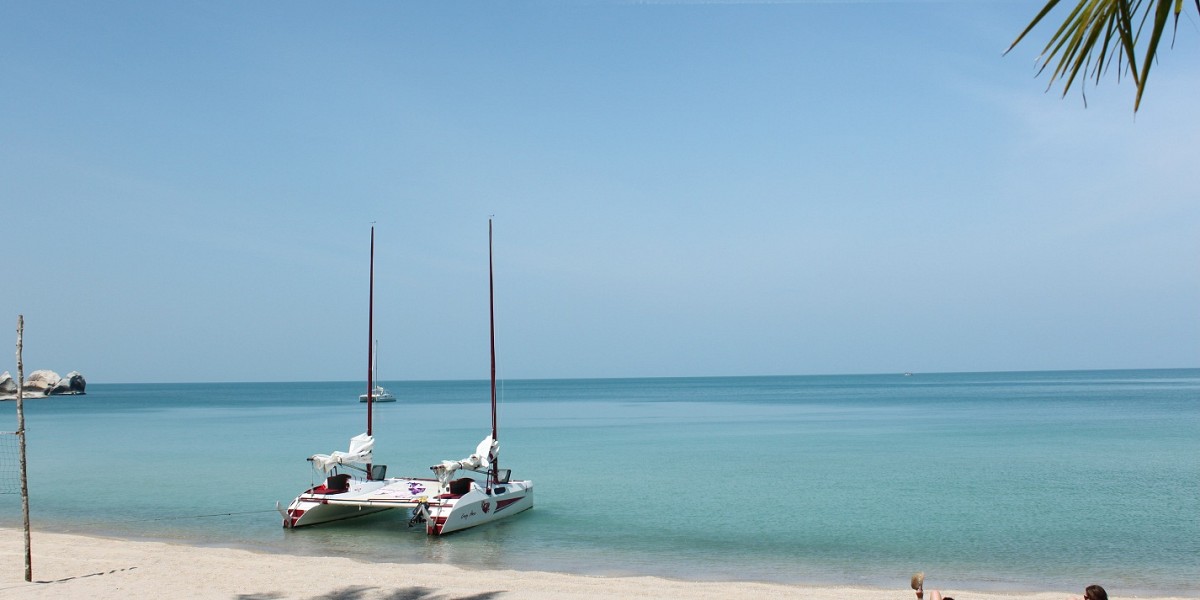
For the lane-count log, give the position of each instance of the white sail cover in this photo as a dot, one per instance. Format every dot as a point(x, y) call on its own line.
point(485, 455)
point(361, 446)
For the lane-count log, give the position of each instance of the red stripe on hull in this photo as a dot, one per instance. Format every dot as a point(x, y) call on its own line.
point(503, 504)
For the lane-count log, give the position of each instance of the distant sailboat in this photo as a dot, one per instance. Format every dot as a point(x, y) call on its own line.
point(379, 392)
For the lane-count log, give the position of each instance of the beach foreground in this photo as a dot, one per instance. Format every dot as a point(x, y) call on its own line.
point(71, 566)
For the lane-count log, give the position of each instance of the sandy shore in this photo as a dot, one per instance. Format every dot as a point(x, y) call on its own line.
point(70, 566)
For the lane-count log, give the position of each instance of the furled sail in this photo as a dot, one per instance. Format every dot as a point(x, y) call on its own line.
point(485, 455)
point(361, 446)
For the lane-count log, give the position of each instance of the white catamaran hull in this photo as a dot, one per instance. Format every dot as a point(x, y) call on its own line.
point(380, 395)
point(312, 511)
point(322, 504)
point(443, 513)
point(476, 507)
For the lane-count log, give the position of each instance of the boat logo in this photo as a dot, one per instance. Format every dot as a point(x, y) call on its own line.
point(487, 506)
point(415, 488)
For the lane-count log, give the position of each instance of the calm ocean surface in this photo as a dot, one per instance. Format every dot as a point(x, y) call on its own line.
point(1046, 480)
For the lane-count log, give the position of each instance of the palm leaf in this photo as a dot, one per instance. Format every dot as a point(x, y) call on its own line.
point(1160, 22)
point(1098, 33)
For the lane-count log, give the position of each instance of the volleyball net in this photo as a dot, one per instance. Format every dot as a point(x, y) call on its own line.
point(10, 462)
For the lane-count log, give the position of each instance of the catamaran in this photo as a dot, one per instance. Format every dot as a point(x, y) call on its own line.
point(353, 486)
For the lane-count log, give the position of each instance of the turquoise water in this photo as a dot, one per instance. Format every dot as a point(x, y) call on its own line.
point(1042, 480)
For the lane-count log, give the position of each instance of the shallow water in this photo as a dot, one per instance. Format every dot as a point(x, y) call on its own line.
point(1006, 480)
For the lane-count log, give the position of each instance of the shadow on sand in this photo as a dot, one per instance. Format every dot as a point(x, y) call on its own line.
point(359, 592)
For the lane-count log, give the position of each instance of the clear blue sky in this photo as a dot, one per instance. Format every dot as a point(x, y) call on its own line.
point(680, 188)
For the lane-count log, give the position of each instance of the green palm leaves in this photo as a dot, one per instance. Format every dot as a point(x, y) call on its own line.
point(1099, 32)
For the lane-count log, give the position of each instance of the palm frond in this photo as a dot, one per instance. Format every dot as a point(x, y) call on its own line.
point(1098, 34)
point(1160, 23)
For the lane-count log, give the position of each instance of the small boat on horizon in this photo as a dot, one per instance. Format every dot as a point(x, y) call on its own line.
point(379, 393)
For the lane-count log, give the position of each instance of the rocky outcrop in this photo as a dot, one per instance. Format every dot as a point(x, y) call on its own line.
point(72, 384)
point(43, 383)
point(8, 385)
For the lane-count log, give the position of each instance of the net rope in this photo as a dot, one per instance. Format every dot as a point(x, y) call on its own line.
point(10, 462)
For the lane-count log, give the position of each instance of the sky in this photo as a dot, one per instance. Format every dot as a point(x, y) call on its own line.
point(187, 191)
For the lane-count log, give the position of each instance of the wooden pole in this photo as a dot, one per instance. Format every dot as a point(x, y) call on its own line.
point(21, 444)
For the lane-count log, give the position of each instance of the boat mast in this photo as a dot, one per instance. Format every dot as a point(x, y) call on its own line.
point(370, 340)
point(492, 319)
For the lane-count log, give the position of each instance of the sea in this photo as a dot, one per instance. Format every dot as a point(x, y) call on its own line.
point(994, 481)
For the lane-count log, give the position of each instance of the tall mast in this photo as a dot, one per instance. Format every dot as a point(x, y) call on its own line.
point(370, 340)
point(492, 319)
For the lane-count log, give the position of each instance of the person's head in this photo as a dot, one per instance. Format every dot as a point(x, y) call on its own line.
point(1094, 592)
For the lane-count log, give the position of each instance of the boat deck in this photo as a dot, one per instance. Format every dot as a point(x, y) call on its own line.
point(402, 492)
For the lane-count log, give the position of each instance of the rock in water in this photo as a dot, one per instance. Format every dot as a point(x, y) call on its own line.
point(41, 382)
point(70, 385)
point(76, 383)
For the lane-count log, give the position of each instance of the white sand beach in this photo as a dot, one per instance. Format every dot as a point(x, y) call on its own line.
point(72, 566)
